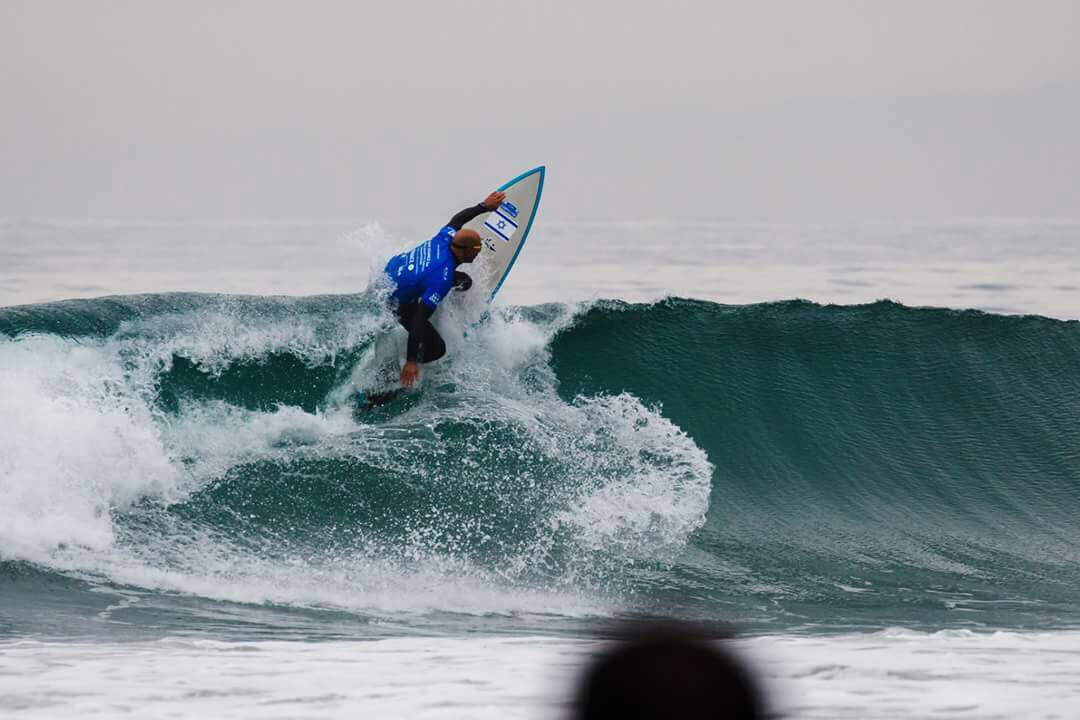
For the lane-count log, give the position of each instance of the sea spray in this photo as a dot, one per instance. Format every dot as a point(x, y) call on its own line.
point(282, 490)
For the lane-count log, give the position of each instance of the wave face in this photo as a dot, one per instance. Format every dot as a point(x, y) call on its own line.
point(781, 465)
point(874, 458)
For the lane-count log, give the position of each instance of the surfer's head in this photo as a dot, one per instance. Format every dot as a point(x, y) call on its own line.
point(466, 245)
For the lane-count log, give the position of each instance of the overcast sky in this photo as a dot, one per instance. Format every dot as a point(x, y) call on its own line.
point(732, 110)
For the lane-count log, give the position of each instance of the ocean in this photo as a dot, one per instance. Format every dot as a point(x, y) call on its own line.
point(855, 444)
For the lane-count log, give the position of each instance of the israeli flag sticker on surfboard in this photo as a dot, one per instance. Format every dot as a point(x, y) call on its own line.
point(503, 226)
point(504, 231)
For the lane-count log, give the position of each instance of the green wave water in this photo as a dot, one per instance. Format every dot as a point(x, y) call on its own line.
point(785, 465)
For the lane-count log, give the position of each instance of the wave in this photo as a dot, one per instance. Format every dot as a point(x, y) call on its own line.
point(785, 462)
point(917, 462)
point(214, 445)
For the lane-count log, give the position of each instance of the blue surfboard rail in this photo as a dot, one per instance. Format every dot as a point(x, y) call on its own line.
point(542, 169)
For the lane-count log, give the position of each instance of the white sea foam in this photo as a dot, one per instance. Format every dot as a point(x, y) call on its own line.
point(644, 483)
point(76, 444)
point(891, 674)
point(900, 673)
point(94, 442)
point(83, 439)
point(229, 330)
point(661, 493)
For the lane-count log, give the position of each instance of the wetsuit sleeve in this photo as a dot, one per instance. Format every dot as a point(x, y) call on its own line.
point(416, 331)
point(436, 291)
point(458, 221)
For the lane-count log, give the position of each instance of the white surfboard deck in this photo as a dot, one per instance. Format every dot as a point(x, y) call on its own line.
point(504, 231)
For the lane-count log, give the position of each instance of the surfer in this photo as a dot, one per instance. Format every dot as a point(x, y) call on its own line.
point(423, 276)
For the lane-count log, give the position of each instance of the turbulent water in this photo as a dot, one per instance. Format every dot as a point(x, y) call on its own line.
point(201, 465)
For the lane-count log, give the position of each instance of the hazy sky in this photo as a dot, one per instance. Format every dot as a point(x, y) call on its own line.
point(748, 110)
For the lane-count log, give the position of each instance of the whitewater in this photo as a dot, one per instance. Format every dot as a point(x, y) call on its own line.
point(856, 444)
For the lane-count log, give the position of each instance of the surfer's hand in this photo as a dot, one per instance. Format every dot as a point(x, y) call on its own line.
point(410, 374)
point(494, 200)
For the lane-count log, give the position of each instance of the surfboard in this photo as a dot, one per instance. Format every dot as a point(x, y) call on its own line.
point(504, 231)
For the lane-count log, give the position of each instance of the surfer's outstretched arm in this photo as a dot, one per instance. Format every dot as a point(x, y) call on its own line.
point(491, 202)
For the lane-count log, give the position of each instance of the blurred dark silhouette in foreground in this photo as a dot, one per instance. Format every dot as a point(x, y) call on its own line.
point(667, 670)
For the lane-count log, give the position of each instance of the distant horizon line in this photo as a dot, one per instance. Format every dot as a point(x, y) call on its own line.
point(149, 221)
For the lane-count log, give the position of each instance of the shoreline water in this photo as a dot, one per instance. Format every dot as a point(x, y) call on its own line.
point(889, 674)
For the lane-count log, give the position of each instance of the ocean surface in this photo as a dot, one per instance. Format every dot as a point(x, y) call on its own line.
point(856, 444)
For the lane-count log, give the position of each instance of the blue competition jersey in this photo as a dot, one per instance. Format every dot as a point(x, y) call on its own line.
point(425, 273)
